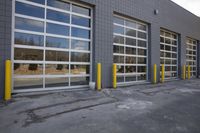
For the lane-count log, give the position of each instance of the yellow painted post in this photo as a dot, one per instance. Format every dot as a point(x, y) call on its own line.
point(114, 76)
point(7, 80)
point(189, 72)
point(163, 73)
point(99, 76)
point(184, 70)
point(155, 74)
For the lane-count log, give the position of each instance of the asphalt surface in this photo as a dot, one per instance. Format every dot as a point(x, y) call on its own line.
point(172, 107)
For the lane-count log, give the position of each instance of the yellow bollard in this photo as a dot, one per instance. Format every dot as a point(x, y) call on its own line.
point(189, 76)
point(99, 76)
point(184, 74)
point(7, 80)
point(163, 73)
point(155, 74)
point(114, 76)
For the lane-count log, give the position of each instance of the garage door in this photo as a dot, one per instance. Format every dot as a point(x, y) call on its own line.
point(130, 50)
point(51, 45)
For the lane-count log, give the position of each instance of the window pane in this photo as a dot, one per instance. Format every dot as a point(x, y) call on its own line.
point(130, 60)
point(57, 42)
point(58, 16)
point(59, 4)
point(81, 10)
point(118, 29)
point(79, 81)
point(118, 49)
point(141, 69)
point(56, 82)
point(130, 32)
point(29, 10)
point(142, 43)
point(57, 29)
point(80, 69)
point(29, 39)
point(56, 69)
point(28, 69)
point(142, 52)
point(142, 77)
point(131, 51)
point(142, 60)
point(118, 59)
point(80, 45)
point(130, 69)
point(119, 39)
point(28, 83)
point(38, 1)
point(142, 35)
point(130, 41)
point(82, 33)
point(130, 24)
point(120, 69)
point(29, 24)
point(57, 56)
point(118, 20)
point(130, 78)
point(141, 27)
point(80, 21)
point(80, 57)
point(120, 79)
point(28, 54)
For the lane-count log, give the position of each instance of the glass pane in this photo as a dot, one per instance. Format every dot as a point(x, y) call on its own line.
point(130, 24)
point(79, 81)
point(81, 10)
point(142, 60)
point(162, 39)
point(57, 56)
point(168, 41)
point(56, 82)
point(118, 49)
point(130, 60)
point(118, 29)
point(56, 69)
point(141, 27)
point(80, 69)
point(120, 69)
point(142, 43)
point(118, 20)
point(58, 16)
point(82, 33)
point(130, 32)
point(28, 54)
point(118, 59)
point(167, 48)
point(119, 39)
point(80, 57)
point(120, 79)
point(38, 1)
point(142, 35)
point(28, 69)
point(57, 29)
point(130, 69)
point(29, 24)
point(130, 78)
point(80, 21)
point(29, 10)
point(131, 51)
point(57, 42)
point(80, 45)
point(142, 77)
point(59, 4)
point(141, 69)
point(142, 52)
point(29, 39)
point(130, 41)
point(28, 83)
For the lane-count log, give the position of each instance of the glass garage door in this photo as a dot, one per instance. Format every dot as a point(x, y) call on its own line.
point(191, 58)
point(169, 53)
point(51, 45)
point(130, 50)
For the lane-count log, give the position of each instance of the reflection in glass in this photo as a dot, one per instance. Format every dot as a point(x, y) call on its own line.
point(57, 42)
point(80, 45)
point(142, 52)
point(29, 24)
point(57, 29)
point(28, 83)
point(120, 79)
point(80, 57)
point(56, 82)
point(118, 49)
point(118, 59)
point(130, 78)
point(141, 27)
point(118, 29)
point(142, 35)
point(142, 60)
point(82, 33)
point(131, 32)
point(130, 41)
point(130, 69)
point(56, 69)
point(118, 20)
point(118, 39)
point(28, 69)
point(130, 60)
point(57, 56)
point(80, 69)
point(58, 16)
point(142, 77)
point(81, 10)
point(80, 21)
point(38, 1)
point(131, 51)
point(28, 54)
point(79, 81)
point(29, 10)
point(130, 24)
point(142, 43)
point(141, 69)
point(59, 4)
point(120, 69)
point(29, 39)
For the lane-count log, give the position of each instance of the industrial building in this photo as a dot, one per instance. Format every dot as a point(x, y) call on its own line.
point(56, 44)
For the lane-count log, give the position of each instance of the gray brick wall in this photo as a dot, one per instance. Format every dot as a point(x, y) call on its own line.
point(170, 16)
point(5, 38)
